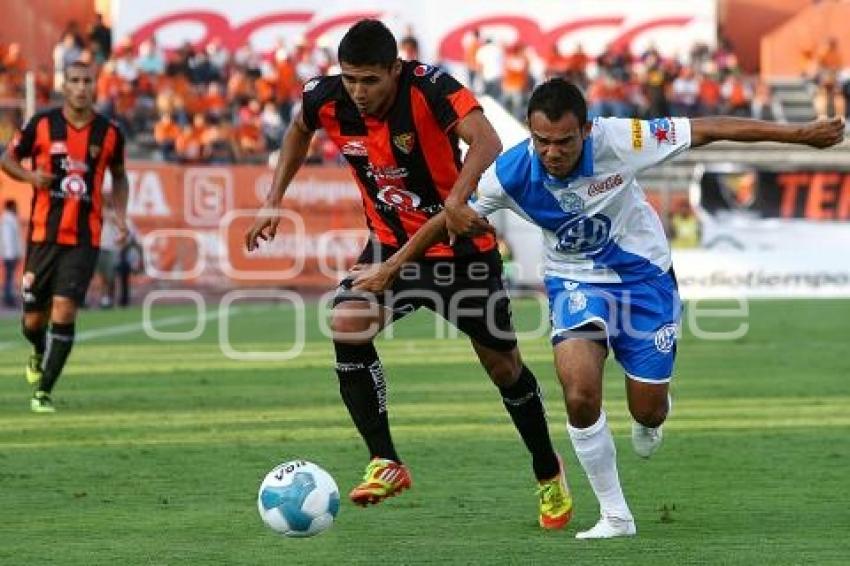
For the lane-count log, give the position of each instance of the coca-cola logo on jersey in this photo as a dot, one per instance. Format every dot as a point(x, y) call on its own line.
point(620, 30)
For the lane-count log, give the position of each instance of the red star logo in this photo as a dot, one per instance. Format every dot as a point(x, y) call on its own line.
point(661, 135)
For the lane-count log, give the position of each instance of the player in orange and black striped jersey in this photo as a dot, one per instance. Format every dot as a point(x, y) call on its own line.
point(398, 125)
point(71, 149)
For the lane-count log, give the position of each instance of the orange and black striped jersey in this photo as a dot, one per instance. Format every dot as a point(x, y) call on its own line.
point(70, 210)
point(406, 163)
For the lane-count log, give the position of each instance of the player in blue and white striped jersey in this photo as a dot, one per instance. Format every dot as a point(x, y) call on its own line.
point(608, 271)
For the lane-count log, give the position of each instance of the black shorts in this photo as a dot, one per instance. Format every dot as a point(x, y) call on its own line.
point(56, 270)
point(468, 292)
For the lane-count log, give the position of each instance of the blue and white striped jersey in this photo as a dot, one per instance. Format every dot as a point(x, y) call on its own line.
point(597, 224)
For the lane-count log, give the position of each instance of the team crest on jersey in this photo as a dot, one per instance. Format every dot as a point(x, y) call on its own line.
point(571, 203)
point(404, 142)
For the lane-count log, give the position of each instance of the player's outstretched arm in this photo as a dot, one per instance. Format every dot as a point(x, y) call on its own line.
point(819, 133)
point(484, 148)
point(293, 151)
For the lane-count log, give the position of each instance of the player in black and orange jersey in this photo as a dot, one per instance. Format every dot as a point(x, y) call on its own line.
point(398, 124)
point(71, 149)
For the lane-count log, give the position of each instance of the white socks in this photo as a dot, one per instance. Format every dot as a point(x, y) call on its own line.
point(594, 447)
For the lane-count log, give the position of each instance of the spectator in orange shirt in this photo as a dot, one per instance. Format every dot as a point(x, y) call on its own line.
point(737, 96)
point(248, 135)
point(15, 66)
point(577, 66)
point(213, 102)
point(607, 98)
point(240, 89)
point(165, 133)
point(557, 64)
point(829, 58)
point(471, 42)
point(43, 85)
point(192, 145)
point(266, 85)
point(515, 80)
point(288, 87)
point(709, 94)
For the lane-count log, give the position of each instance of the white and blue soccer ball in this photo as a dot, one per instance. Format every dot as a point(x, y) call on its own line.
point(298, 499)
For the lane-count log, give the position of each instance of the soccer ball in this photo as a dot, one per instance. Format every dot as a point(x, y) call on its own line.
point(298, 499)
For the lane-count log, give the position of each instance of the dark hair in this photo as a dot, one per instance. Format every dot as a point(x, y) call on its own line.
point(555, 98)
point(368, 42)
point(78, 64)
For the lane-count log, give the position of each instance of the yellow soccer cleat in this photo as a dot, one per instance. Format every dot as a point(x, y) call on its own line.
point(33, 370)
point(383, 478)
point(41, 403)
point(556, 502)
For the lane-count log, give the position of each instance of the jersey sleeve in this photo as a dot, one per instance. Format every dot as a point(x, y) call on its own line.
point(490, 195)
point(23, 143)
point(313, 97)
point(448, 100)
point(644, 143)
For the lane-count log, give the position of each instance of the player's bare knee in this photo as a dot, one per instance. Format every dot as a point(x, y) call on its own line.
point(352, 328)
point(651, 417)
point(583, 405)
point(34, 321)
point(503, 370)
point(64, 311)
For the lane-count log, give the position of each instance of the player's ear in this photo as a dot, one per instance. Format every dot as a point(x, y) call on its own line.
point(395, 70)
point(585, 130)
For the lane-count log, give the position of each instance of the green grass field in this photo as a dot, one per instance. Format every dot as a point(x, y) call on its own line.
point(158, 449)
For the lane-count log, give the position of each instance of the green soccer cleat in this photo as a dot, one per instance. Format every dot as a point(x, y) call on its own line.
point(384, 478)
point(41, 403)
point(33, 370)
point(556, 502)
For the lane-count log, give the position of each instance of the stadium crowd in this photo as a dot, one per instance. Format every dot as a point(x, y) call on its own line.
point(204, 104)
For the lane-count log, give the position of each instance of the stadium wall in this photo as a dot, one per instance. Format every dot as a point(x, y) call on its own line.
point(192, 221)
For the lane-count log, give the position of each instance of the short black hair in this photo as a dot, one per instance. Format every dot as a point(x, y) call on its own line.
point(77, 64)
point(368, 42)
point(555, 98)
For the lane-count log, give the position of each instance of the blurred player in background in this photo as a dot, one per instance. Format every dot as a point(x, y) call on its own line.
point(398, 123)
point(608, 270)
point(11, 248)
point(71, 148)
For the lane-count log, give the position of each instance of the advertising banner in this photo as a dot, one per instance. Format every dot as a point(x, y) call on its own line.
point(439, 25)
point(192, 221)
